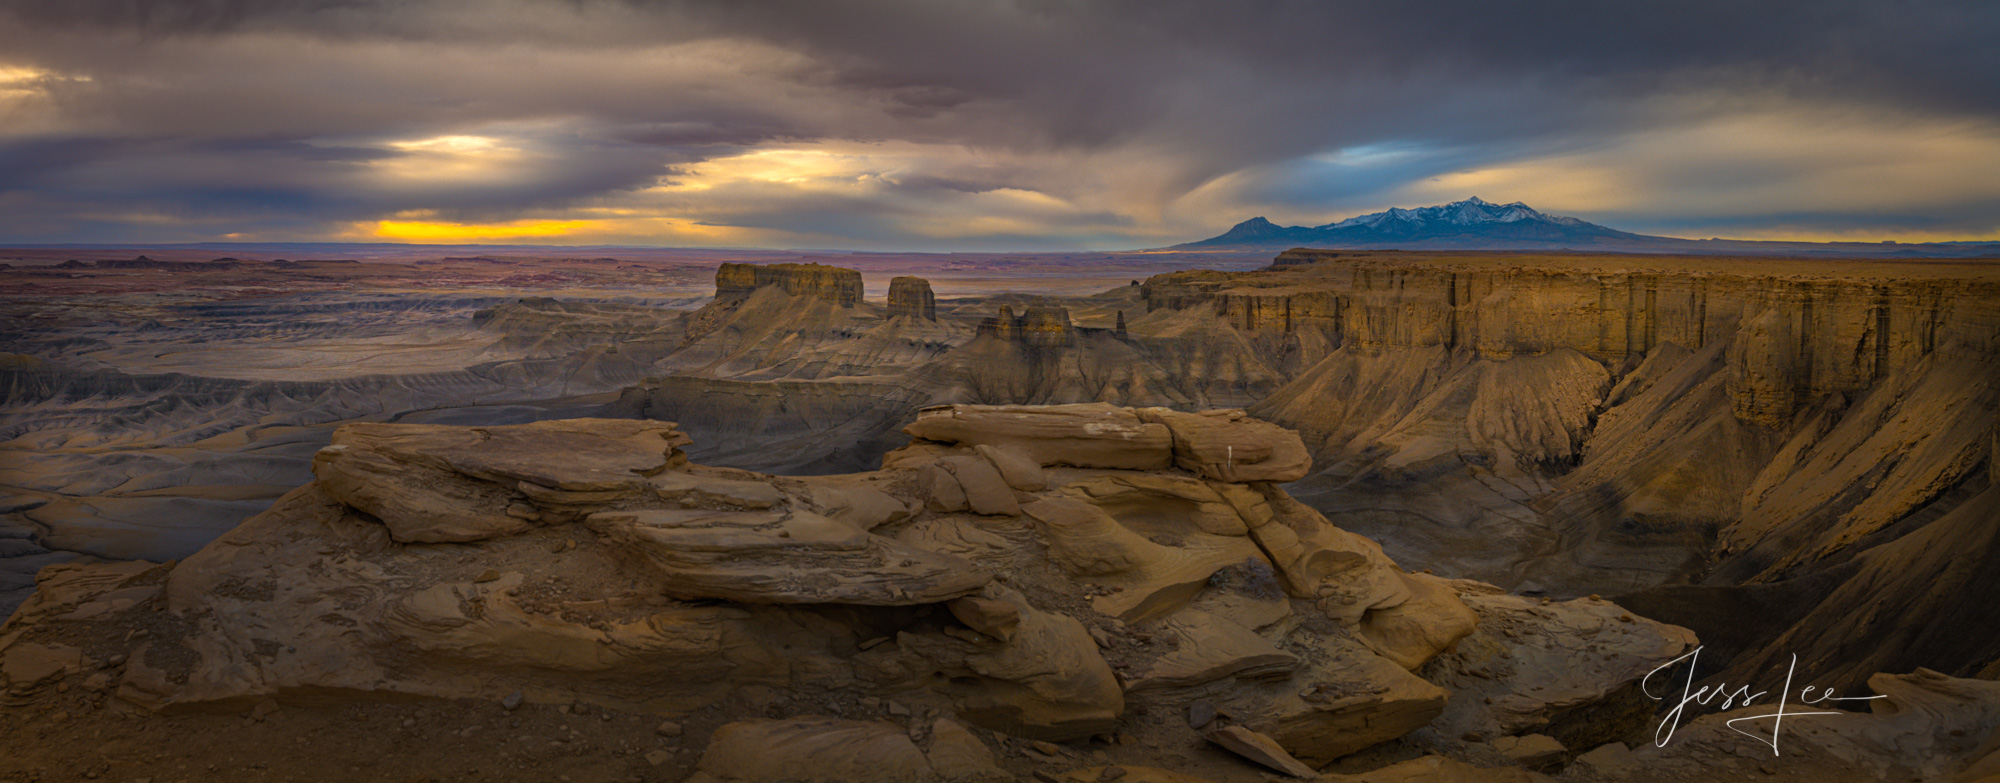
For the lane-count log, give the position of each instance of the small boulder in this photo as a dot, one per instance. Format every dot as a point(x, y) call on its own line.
point(1261, 749)
point(988, 614)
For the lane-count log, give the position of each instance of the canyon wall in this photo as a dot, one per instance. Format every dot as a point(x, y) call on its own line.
point(1794, 336)
point(1571, 423)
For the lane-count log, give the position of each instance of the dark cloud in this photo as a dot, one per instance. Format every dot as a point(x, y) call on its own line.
point(1154, 118)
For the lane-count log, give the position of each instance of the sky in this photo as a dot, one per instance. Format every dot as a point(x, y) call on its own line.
point(985, 125)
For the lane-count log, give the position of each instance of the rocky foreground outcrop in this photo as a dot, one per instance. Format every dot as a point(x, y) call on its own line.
point(1015, 577)
point(1044, 573)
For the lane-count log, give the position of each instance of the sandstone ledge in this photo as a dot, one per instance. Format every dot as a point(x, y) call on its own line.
point(1042, 573)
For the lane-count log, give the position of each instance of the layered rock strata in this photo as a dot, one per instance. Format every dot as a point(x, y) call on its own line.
point(1045, 573)
point(911, 297)
point(799, 384)
point(1041, 326)
point(1576, 424)
point(1792, 338)
point(839, 285)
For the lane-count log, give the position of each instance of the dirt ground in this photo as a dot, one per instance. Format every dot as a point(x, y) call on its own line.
point(87, 735)
point(70, 732)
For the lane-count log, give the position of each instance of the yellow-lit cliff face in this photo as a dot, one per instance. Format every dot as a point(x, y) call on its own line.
point(839, 285)
point(1797, 329)
point(911, 297)
point(1612, 423)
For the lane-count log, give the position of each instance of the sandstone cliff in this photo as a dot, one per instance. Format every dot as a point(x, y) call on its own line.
point(1577, 424)
point(1040, 326)
point(735, 282)
point(1045, 573)
point(911, 297)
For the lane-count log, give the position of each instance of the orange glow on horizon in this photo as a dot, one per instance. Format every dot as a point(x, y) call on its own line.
point(433, 231)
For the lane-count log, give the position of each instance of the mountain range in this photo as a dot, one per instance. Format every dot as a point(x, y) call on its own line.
point(1478, 224)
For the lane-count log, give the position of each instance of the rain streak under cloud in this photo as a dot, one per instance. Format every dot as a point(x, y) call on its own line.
point(985, 125)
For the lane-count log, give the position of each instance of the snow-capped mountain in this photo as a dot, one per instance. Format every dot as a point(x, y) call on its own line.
point(1472, 223)
point(1469, 212)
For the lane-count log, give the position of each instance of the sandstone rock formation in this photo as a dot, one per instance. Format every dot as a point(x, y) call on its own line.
point(1040, 326)
point(791, 382)
point(1045, 574)
point(1571, 425)
point(1519, 673)
point(736, 282)
point(910, 297)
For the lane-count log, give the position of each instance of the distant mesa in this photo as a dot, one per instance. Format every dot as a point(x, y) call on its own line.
point(736, 282)
point(1042, 326)
point(911, 297)
point(312, 262)
point(144, 262)
point(802, 285)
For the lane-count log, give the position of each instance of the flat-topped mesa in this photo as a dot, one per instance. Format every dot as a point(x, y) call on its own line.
point(1795, 330)
point(145, 263)
point(840, 285)
point(910, 297)
point(1043, 326)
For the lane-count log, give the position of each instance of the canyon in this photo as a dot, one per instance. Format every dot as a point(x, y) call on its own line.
point(1759, 449)
point(1764, 457)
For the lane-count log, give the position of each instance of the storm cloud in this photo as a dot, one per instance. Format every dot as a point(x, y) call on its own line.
point(984, 125)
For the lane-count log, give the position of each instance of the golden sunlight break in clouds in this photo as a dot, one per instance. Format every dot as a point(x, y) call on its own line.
point(975, 126)
point(426, 231)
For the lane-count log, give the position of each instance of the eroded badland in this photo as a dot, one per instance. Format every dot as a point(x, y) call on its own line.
point(1395, 516)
